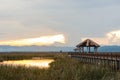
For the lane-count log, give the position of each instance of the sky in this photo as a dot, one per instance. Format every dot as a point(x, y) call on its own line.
point(72, 20)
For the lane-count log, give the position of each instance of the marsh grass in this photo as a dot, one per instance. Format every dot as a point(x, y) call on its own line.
point(21, 73)
point(63, 68)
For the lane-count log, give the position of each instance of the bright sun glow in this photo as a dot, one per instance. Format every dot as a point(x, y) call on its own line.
point(44, 40)
point(34, 63)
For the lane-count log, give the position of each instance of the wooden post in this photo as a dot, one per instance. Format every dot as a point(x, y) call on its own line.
point(117, 64)
point(83, 49)
point(89, 49)
point(94, 49)
point(80, 49)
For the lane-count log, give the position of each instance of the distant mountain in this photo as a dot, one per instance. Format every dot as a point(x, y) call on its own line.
point(52, 49)
point(34, 49)
point(109, 49)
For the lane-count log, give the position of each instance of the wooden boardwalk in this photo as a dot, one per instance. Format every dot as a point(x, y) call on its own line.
point(111, 60)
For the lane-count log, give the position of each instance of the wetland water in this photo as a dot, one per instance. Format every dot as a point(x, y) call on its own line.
point(42, 63)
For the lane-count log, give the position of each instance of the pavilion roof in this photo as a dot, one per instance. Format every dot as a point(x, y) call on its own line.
point(88, 43)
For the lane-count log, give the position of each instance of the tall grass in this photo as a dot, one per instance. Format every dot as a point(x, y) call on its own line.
point(64, 68)
point(21, 73)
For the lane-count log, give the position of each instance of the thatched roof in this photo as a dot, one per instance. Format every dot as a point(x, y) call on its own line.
point(88, 43)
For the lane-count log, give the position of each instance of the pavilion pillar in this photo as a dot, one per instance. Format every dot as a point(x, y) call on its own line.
point(94, 49)
point(80, 49)
point(89, 49)
point(83, 49)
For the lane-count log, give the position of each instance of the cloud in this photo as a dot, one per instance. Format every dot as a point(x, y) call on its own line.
point(114, 37)
point(14, 29)
point(40, 41)
point(32, 18)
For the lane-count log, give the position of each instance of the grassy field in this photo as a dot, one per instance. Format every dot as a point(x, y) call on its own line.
point(25, 55)
point(64, 68)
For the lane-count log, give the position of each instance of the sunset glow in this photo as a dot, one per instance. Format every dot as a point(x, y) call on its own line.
point(44, 40)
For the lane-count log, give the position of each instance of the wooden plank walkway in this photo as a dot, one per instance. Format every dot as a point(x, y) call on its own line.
point(111, 60)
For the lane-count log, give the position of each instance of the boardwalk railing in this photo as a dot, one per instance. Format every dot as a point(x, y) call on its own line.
point(111, 60)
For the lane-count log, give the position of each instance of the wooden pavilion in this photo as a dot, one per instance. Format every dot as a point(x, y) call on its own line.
point(88, 44)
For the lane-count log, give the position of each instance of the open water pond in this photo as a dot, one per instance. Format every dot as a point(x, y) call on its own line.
point(42, 63)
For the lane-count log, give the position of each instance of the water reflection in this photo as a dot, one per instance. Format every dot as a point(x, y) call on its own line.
point(43, 63)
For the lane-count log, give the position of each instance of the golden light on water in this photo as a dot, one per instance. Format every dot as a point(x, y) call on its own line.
point(44, 40)
point(43, 63)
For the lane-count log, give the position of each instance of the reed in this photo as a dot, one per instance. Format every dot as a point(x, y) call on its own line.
point(64, 68)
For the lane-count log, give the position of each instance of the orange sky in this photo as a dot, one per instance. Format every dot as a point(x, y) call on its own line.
point(43, 40)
